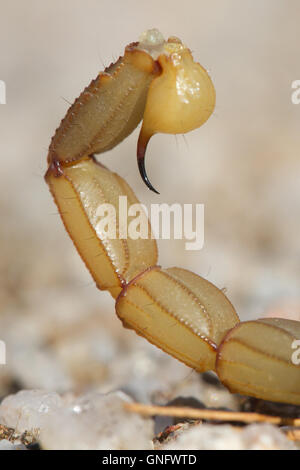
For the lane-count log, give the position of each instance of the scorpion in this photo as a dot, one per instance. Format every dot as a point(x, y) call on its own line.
point(185, 315)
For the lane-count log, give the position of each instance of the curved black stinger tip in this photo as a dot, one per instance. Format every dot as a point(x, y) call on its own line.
point(142, 144)
point(142, 169)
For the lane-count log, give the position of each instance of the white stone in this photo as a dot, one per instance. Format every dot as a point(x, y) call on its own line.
point(91, 421)
point(28, 410)
point(97, 421)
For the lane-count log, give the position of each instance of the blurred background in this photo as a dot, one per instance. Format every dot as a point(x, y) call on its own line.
point(243, 164)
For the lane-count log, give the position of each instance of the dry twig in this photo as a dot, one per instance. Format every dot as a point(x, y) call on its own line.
point(212, 415)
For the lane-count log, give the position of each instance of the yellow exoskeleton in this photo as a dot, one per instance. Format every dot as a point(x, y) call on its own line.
point(175, 309)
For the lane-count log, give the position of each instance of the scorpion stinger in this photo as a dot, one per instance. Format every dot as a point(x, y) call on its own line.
point(141, 152)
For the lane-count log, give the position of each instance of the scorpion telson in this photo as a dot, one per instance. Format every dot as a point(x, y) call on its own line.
point(180, 312)
point(180, 98)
